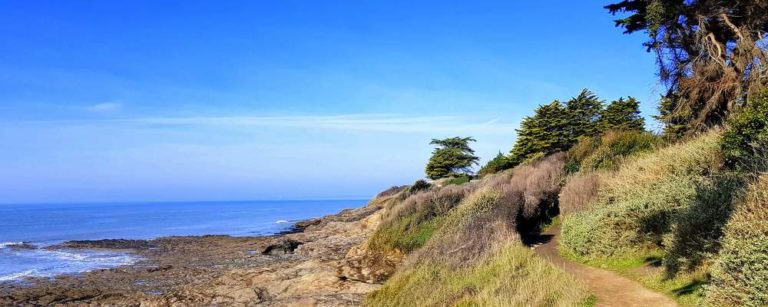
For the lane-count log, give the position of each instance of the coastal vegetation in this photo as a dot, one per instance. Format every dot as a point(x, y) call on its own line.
point(682, 212)
point(451, 157)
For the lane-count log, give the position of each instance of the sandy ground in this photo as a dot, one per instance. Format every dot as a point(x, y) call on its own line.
point(610, 288)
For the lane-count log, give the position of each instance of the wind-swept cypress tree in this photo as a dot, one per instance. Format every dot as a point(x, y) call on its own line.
point(451, 157)
point(622, 114)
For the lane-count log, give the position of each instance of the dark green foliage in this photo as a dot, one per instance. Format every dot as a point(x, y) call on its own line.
point(583, 113)
point(622, 114)
point(495, 165)
point(545, 132)
point(419, 185)
point(451, 157)
point(709, 55)
point(556, 127)
point(745, 142)
point(460, 179)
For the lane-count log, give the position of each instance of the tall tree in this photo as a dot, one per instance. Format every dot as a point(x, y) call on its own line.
point(452, 156)
point(712, 55)
point(583, 115)
point(544, 133)
point(622, 114)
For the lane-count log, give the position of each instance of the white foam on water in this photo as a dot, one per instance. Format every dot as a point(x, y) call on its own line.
point(6, 244)
point(19, 275)
point(49, 263)
point(282, 222)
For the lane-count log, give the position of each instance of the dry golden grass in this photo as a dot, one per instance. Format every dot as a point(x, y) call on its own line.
point(580, 190)
point(509, 275)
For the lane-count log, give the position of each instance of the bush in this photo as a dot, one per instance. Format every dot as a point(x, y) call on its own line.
point(740, 272)
point(608, 150)
point(745, 142)
point(410, 223)
point(460, 179)
point(696, 232)
point(419, 185)
point(580, 190)
point(637, 204)
point(495, 165)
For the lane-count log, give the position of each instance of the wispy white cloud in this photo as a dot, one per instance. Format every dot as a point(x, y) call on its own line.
point(105, 107)
point(390, 123)
point(358, 122)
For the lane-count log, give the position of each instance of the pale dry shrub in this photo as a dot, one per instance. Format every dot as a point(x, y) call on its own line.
point(580, 190)
point(496, 211)
point(409, 223)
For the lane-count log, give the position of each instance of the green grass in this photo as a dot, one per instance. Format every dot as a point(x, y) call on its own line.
point(510, 276)
point(407, 233)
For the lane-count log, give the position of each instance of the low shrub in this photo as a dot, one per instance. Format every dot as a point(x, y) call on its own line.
point(495, 165)
point(637, 204)
point(460, 179)
point(419, 185)
point(408, 224)
point(697, 229)
point(740, 272)
point(608, 150)
point(617, 145)
point(745, 141)
point(580, 189)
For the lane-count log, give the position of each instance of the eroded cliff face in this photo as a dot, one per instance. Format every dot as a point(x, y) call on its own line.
point(326, 263)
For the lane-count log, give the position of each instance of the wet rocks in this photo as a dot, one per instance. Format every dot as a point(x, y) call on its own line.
point(296, 269)
point(116, 244)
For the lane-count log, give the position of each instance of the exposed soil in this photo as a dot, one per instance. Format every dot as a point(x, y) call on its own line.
point(296, 269)
point(609, 288)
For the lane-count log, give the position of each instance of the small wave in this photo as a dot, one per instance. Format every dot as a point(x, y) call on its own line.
point(282, 222)
point(48, 263)
point(19, 275)
point(7, 244)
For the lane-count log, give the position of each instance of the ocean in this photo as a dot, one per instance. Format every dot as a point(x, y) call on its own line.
point(47, 224)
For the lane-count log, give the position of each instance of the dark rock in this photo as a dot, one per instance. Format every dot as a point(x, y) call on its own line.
point(160, 268)
point(106, 244)
point(23, 245)
point(286, 246)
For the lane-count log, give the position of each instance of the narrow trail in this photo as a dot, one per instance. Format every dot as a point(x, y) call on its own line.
point(609, 288)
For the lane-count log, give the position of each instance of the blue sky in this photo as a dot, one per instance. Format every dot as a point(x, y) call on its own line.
point(236, 100)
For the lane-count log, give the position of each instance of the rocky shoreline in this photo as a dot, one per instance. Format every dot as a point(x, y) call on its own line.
point(305, 267)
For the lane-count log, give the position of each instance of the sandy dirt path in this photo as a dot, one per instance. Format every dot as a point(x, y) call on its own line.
point(609, 288)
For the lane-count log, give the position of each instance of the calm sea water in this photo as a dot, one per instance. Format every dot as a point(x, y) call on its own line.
point(46, 224)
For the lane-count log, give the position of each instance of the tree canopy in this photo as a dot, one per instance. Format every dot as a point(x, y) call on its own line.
point(622, 114)
point(499, 163)
point(451, 157)
point(557, 127)
point(711, 55)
